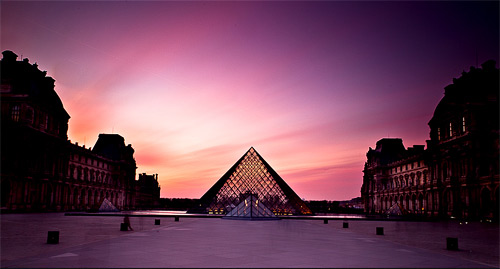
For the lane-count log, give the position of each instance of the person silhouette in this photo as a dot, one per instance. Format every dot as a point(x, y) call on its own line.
point(126, 220)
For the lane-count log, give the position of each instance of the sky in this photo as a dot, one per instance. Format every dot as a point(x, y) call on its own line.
point(310, 85)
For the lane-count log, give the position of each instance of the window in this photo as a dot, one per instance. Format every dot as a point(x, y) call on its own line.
point(46, 122)
point(463, 124)
point(15, 113)
point(451, 130)
point(445, 171)
point(29, 114)
point(439, 133)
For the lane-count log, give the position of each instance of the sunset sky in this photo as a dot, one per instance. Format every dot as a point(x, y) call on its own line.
point(310, 85)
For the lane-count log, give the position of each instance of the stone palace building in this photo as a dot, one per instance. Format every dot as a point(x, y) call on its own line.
point(42, 170)
point(458, 174)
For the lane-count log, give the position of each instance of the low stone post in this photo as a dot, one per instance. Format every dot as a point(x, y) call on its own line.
point(157, 221)
point(53, 237)
point(325, 221)
point(345, 225)
point(176, 218)
point(451, 243)
point(380, 230)
point(123, 227)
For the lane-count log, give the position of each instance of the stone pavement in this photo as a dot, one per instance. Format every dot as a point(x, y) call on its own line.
point(95, 241)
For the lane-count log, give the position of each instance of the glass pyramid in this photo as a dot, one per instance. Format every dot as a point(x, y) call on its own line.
point(395, 210)
point(251, 176)
point(107, 206)
point(251, 208)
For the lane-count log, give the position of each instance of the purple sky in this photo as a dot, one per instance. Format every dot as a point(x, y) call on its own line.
point(193, 85)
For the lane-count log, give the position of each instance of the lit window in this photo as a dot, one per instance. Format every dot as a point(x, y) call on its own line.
point(439, 133)
point(15, 113)
point(451, 130)
point(463, 124)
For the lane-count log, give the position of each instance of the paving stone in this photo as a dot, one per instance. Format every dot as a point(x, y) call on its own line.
point(95, 241)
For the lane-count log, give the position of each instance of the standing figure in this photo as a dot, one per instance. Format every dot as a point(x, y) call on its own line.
point(126, 220)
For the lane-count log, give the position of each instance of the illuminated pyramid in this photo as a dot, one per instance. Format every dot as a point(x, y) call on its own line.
point(250, 208)
point(251, 179)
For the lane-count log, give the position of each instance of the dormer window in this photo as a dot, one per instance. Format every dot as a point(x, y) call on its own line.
point(451, 130)
point(463, 124)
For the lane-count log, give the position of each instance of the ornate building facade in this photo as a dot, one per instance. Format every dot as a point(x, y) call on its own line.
point(458, 174)
point(40, 168)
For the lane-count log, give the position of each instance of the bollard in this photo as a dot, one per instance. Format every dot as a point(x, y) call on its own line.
point(345, 225)
point(123, 227)
point(325, 221)
point(176, 218)
point(451, 243)
point(380, 230)
point(53, 237)
point(157, 221)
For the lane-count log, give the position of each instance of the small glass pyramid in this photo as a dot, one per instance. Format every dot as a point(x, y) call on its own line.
point(107, 206)
point(395, 210)
point(251, 179)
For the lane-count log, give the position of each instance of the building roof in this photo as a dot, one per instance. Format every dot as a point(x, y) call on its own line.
point(25, 80)
point(478, 86)
point(112, 146)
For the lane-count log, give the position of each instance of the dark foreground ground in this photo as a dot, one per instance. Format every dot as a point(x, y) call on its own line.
point(95, 241)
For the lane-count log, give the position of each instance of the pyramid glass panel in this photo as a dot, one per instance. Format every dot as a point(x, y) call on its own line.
point(251, 208)
point(250, 177)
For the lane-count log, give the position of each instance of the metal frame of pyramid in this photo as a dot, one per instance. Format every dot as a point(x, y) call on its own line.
point(251, 209)
point(251, 175)
point(107, 206)
point(395, 210)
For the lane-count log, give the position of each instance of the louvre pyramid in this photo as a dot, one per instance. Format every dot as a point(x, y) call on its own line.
point(251, 176)
point(251, 208)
